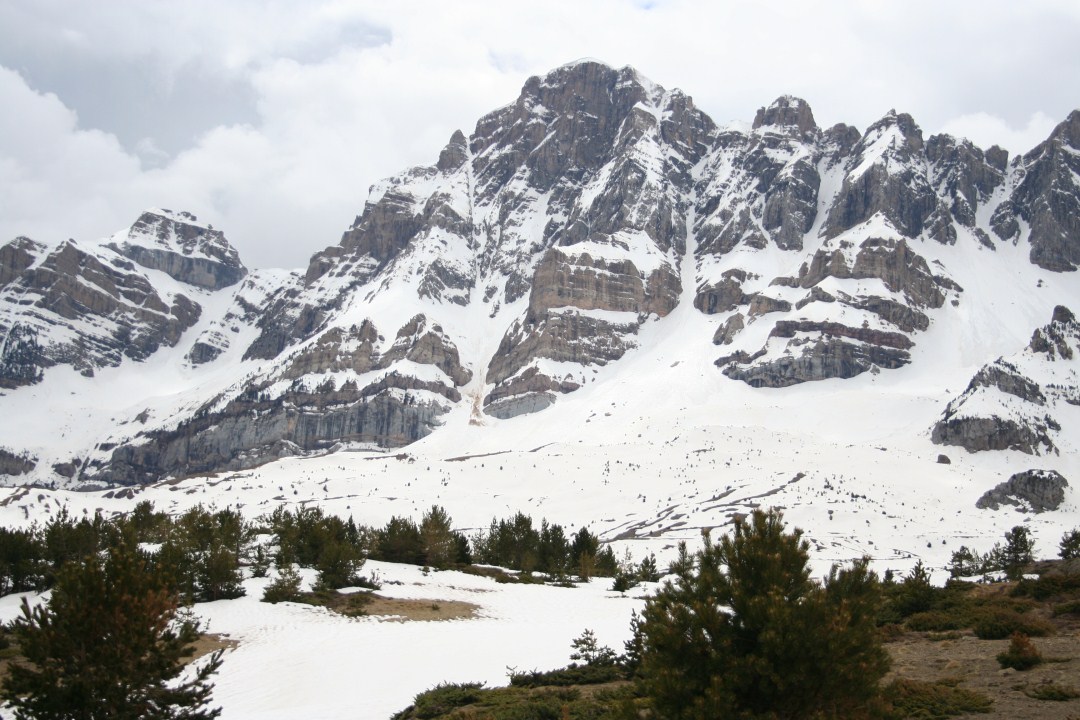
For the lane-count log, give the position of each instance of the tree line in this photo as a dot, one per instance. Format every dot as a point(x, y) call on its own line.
point(203, 552)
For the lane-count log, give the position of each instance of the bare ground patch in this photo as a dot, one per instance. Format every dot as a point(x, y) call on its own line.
point(212, 642)
point(370, 604)
point(973, 664)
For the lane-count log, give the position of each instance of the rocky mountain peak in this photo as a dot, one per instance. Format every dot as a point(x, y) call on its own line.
point(1062, 314)
point(585, 86)
point(1068, 131)
point(788, 112)
point(1048, 200)
point(177, 244)
point(902, 127)
point(997, 157)
point(181, 231)
point(17, 256)
point(455, 154)
point(1059, 338)
point(554, 239)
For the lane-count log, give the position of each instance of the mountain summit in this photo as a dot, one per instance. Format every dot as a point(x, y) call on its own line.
point(596, 216)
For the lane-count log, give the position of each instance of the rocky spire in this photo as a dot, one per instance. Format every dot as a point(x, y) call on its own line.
point(787, 112)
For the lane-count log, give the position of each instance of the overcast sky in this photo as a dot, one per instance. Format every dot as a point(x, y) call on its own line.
point(271, 119)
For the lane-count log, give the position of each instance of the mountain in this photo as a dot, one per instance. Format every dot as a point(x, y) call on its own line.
point(597, 240)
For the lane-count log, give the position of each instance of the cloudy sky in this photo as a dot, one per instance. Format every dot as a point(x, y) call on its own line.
point(271, 119)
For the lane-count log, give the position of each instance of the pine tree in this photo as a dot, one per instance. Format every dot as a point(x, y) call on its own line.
point(110, 643)
point(915, 594)
point(399, 541)
point(583, 551)
point(437, 536)
point(339, 564)
point(745, 633)
point(1069, 547)
point(1018, 552)
point(21, 560)
point(285, 587)
point(965, 563)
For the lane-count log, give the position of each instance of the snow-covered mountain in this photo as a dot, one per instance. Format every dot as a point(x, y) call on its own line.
point(597, 252)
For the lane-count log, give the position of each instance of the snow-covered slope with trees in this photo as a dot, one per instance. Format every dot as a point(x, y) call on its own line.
point(630, 312)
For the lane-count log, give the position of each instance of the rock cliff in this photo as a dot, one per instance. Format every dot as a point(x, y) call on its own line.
point(1011, 404)
point(546, 245)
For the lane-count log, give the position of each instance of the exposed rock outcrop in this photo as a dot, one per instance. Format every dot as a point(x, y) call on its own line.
point(1035, 490)
point(182, 248)
point(1047, 199)
point(1010, 403)
point(818, 360)
point(82, 306)
point(885, 178)
point(15, 464)
point(341, 388)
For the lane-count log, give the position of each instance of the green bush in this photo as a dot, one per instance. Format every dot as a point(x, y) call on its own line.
point(998, 624)
point(471, 700)
point(1021, 655)
point(746, 633)
point(1069, 608)
point(570, 675)
point(284, 588)
point(931, 701)
point(1053, 692)
point(443, 698)
point(934, 621)
point(1047, 586)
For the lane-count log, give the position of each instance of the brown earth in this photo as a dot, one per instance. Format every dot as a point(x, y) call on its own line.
point(403, 610)
point(971, 661)
point(369, 604)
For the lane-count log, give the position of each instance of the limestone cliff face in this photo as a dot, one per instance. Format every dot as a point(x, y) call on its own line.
point(84, 306)
point(177, 245)
point(560, 209)
point(535, 248)
point(1046, 198)
point(612, 152)
point(345, 386)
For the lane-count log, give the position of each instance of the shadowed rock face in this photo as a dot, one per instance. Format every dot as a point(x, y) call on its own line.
point(890, 183)
point(976, 434)
point(1039, 490)
point(389, 409)
point(1048, 200)
point(182, 249)
point(104, 307)
point(823, 359)
point(16, 257)
point(250, 433)
point(12, 464)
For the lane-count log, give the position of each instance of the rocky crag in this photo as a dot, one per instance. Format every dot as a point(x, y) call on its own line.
point(534, 251)
point(1012, 403)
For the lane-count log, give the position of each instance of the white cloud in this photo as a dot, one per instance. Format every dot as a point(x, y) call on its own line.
point(338, 94)
point(52, 169)
point(985, 130)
